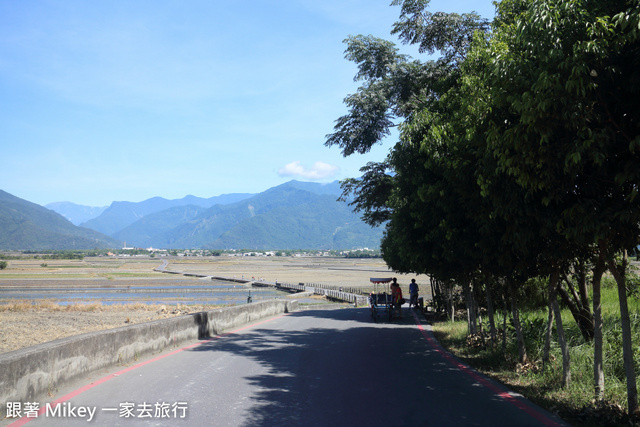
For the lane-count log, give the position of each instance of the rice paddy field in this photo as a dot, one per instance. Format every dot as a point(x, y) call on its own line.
point(42, 300)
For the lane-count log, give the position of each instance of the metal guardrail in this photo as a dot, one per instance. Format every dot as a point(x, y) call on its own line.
point(327, 291)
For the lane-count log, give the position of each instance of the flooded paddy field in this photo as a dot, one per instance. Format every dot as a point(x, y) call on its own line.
point(112, 280)
point(43, 300)
point(123, 291)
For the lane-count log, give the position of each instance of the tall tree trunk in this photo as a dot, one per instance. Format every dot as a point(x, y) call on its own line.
point(522, 350)
point(436, 293)
point(450, 303)
point(581, 273)
point(504, 331)
point(442, 299)
point(598, 361)
point(491, 316)
point(580, 312)
point(547, 338)
point(472, 326)
point(553, 300)
point(505, 310)
point(585, 324)
point(481, 330)
point(584, 293)
point(627, 346)
point(435, 297)
point(478, 288)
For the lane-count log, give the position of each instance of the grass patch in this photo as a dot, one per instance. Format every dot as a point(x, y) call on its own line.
point(542, 384)
point(48, 306)
point(48, 265)
point(93, 306)
point(48, 275)
point(88, 275)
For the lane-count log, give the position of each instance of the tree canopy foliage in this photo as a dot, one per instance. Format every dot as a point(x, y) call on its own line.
point(519, 147)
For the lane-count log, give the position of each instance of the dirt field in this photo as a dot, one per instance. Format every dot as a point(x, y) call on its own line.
point(23, 324)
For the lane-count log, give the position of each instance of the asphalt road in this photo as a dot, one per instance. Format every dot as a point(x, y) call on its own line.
point(309, 368)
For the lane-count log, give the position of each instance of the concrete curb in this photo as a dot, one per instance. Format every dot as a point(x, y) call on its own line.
point(31, 373)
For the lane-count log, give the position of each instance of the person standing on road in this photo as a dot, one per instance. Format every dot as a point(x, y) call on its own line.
point(413, 293)
point(396, 297)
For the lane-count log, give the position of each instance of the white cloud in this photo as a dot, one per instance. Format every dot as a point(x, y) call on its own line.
point(317, 172)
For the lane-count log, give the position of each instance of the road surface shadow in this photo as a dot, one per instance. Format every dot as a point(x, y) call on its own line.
point(339, 367)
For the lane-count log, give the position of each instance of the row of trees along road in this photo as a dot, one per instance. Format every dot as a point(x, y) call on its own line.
point(518, 155)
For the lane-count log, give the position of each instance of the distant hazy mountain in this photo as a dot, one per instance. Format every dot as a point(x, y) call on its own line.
point(295, 215)
point(77, 214)
point(290, 216)
point(28, 226)
point(151, 228)
point(319, 223)
point(122, 214)
point(332, 188)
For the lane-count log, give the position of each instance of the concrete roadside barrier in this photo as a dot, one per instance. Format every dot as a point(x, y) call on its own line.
point(34, 372)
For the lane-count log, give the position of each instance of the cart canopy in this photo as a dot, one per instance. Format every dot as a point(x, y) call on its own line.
point(380, 279)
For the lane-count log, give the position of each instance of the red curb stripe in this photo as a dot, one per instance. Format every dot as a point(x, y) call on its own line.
point(499, 391)
point(22, 421)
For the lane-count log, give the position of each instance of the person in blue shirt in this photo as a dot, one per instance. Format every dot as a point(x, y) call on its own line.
point(413, 293)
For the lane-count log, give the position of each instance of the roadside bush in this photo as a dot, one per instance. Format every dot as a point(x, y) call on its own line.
point(532, 294)
point(544, 385)
point(3, 265)
point(608, 282)
point(534, 329)
point(633, 285)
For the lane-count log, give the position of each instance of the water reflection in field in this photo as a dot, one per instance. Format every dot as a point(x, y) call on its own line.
point(142, 291)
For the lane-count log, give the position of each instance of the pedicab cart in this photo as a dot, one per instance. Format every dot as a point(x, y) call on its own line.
point(381, 302)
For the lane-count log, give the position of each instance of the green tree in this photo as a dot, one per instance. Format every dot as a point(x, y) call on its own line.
point(403, 189)
point(427, 185)
point(567, 75)
point(395, 86)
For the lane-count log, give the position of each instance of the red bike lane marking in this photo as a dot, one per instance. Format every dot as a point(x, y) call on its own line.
point(498, 390)
point(22, 421)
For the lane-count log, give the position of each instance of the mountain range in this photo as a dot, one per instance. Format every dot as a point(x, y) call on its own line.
point(294, 215)
point(75, 213)
point(121, 214)
point(28, 226)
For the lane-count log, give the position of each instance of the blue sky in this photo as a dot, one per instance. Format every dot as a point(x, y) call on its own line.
point(105, 101)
